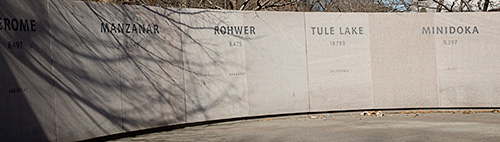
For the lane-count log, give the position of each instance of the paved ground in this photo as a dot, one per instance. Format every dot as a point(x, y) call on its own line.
point(394, 126)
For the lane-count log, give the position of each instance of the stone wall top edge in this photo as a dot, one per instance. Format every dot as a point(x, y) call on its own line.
point(315, 12)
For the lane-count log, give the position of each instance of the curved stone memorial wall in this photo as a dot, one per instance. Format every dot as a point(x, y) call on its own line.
point(75, 70)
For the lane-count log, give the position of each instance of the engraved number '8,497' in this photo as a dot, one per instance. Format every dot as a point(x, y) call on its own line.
point(15, 45)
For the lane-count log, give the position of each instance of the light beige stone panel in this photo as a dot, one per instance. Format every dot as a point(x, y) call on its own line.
point(117, 68)
point(468, 61)
point(403, 61)
point(276, 63)
point(152, 83)
point(338, 48)
point(86, 70)
point(215, 64)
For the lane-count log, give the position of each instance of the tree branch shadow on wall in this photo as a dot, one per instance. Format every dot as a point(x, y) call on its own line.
point(108, 83)
point(26, 106)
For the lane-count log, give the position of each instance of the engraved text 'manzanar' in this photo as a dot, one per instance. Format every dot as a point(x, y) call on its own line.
point(129, 28)
point(450, 30)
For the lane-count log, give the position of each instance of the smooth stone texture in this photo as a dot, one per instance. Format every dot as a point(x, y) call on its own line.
point(118, 81)
point(468, 69)
point(403, 61)
point(152, 83)
point(339, 61)
point(87, 65)
point(87, 83)
point(215, 71)
point(26, 98)
point(276, 63)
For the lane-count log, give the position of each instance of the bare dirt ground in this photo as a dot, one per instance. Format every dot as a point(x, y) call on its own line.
point(417, 125)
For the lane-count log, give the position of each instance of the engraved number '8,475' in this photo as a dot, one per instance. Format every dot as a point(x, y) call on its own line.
point(235, 44)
